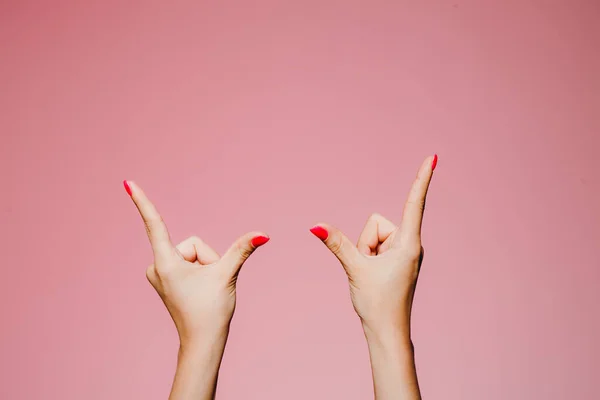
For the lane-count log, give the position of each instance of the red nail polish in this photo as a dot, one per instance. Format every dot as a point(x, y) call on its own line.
point(319, 232)
point(127, 188)
point(434, 162)
point(259, 241)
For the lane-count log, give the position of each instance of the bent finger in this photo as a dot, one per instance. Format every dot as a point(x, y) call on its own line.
point(195, 249)
point(241, 249)
point(376, 231)
point(337, 243)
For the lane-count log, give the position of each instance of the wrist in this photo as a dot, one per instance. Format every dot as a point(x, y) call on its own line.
point(386, 315)
point(193, 343)
point(389, 334)
point(198, 362)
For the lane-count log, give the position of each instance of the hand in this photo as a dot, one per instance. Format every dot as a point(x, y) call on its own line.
point(383, 267)
point(196, 285)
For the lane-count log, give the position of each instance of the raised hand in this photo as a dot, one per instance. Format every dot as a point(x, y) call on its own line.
point(199, 290)
point(382, 271)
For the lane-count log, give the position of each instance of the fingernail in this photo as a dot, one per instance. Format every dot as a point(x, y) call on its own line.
point(434, 162)
point(259, 241)
point(319, 232)
point(127, 188)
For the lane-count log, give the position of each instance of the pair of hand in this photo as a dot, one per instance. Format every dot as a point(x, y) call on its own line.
point(198, 286)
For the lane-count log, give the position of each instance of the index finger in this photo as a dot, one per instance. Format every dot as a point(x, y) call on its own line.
point(155, 226)
point(414, 208)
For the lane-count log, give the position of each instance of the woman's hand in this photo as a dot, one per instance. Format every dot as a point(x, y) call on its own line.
point(383, 267)
point(198, 289)
point(382, 270)
point(196, 285)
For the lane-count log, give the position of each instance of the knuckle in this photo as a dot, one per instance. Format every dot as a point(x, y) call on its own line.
point(244, 251)
point(414, 251)
point(151, 273)
point(336, 246)
point(153, 223)
point(416, 203)
point(375, 216)
point(195, 239)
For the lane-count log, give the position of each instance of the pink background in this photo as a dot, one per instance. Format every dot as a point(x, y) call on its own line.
point(268, 115)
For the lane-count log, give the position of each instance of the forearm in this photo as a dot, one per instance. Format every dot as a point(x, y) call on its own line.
point(392, 362)
point(198, 366)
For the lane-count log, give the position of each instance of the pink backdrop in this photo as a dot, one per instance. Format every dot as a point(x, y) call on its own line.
point(276, 115)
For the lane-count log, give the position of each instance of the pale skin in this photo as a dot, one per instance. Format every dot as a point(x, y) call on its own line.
point(198, 288)
point(382, 270)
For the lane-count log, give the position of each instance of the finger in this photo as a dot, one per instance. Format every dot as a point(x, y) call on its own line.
point(194, 249)
point(412, 217)
point(337, 243)
point(387, 243)
point(241, 249)
point(376, 231)
point(155, 226)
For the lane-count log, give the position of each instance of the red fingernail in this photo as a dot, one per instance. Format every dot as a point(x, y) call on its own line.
point(127, 188)
point(259, 241)
point(319, 232)
point(434, 162)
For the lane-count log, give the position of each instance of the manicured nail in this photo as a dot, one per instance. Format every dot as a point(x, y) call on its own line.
point(319, 232)
point(259, 241)
point(127, 188)
point(434, 162)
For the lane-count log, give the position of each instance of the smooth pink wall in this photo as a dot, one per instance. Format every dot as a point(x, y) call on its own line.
point(275, 115)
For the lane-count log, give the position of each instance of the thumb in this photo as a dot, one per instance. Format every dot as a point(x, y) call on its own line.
point(241, 249)
point(337, 243)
